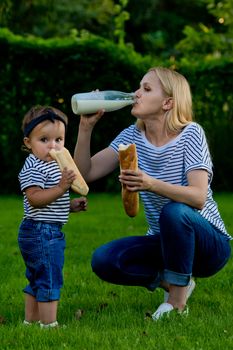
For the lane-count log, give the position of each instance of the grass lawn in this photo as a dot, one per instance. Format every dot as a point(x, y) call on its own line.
point(101, 316)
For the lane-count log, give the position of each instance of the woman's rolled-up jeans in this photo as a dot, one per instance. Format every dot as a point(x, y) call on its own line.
point(188, 245)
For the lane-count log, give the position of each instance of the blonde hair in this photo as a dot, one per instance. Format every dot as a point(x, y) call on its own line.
point(175, 86)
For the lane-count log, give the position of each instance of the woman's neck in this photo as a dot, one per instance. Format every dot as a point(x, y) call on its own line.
point(157, 133)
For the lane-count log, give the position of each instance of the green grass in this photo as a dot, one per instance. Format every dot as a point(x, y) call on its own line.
point(114, 317)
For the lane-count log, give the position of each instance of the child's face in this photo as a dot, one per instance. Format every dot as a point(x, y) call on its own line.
point(44, 137)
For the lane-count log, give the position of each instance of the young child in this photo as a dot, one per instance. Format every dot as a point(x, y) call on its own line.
point(46, 209)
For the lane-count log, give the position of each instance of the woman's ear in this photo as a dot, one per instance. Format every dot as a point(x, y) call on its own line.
point(26, 142)
point(168, 104)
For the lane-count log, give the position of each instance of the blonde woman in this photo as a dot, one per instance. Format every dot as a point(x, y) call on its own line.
point(186, 235)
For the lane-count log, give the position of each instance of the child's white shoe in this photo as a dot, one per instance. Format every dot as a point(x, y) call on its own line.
point(49, 325)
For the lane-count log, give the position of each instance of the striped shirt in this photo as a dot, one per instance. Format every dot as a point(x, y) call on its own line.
point(36, 172)
point(171, 163)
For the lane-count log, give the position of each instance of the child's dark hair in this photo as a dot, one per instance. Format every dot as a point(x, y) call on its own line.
point(37, 114)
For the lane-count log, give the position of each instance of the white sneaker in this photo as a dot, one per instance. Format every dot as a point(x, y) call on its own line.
point(49, 325)
point(52, 325)
point(27, 323)
point(189, 291)
point(164, 310)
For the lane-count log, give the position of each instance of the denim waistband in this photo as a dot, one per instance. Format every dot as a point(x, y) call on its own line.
point(35, 223)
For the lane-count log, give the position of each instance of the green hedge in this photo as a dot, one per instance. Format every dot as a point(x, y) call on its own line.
point(38, 71)
point(212, 86)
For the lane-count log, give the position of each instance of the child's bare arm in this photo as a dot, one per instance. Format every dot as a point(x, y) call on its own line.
point(39, 197)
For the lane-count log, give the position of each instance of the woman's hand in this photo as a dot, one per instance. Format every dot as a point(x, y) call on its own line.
point(135, 180)
point(78, 204)
point(88, 121)
point(194, 194)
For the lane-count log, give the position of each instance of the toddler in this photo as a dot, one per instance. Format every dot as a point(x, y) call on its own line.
point(47, 206)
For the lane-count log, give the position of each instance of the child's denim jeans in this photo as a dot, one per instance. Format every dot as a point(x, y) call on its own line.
point(42, 246)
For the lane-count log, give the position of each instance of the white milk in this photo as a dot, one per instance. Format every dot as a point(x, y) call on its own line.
point(93, 106)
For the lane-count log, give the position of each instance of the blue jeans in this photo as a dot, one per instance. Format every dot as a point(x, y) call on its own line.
point(42, 246)
point(188, 245)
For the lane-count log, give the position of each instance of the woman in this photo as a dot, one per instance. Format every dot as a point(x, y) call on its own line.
point(186, 236)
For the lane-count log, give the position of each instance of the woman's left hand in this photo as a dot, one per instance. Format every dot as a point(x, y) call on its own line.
point(135, 180)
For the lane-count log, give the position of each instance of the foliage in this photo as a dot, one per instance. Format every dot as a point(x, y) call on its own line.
point(156, 26)
point(57, 18)
point(100, 315)
point(206, 42)
point(54, 70)
point(151, 26)
point(213, 107)
point(57, 68)
point(54, 18)
point(120, 18)
point(223, 11)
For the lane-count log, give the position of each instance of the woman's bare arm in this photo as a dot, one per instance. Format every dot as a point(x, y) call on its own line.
point(103, 162)
point(194, 194)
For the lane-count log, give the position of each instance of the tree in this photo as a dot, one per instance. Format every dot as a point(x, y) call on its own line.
point(206, 41)
point(155, 26)
point(121, 17)
point(49, 18)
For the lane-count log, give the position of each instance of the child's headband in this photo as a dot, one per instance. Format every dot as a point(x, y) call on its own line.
point(49, 115)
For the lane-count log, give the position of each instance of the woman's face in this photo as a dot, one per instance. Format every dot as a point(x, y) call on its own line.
point(150, 98)
point(44, 137)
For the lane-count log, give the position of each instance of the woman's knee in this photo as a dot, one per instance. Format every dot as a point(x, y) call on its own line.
point(176, 219)
point(174, 211)
point(99, 259)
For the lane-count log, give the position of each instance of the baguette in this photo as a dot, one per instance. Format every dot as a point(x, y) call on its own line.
point(64, 160)
point(128, 160)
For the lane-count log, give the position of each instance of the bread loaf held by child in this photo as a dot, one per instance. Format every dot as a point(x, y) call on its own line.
point(64, 160)
point(129, 160)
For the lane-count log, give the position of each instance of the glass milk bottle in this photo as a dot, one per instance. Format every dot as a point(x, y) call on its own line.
point(92, 102)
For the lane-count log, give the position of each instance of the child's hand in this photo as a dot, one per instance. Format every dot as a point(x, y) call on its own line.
point(78, 204)
point(68, 176)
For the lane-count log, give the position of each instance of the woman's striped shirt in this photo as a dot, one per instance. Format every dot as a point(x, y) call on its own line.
point(171, 163)
point(36, 172)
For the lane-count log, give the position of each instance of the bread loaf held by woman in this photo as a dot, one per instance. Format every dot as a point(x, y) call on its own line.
point(129, 160)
